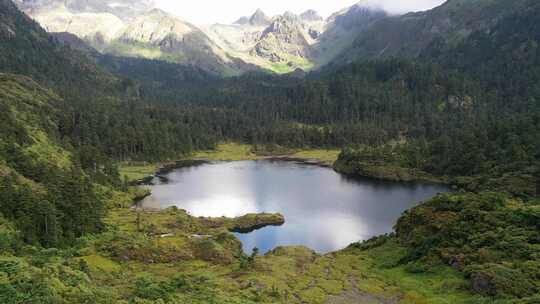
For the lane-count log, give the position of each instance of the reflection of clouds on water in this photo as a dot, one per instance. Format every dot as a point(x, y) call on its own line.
point(322, 210)
point(337, 231)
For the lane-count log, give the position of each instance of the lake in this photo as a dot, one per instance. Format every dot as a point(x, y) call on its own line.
point(323, 210)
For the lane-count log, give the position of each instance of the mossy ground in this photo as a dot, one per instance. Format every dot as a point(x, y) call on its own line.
point(236, 152)
point(228, 152)
point(328, 157)
point(171, 257)
point(200, 262)
point(134, 172)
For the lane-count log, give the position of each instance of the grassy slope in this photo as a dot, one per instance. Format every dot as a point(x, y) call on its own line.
point(28, 106)
point(29, 110)
point(286, 275)
point(228, 152)
point(133, 172)
point(235, 152)
point(326, 156)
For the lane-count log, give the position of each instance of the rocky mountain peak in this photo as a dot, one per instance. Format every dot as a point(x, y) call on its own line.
point(283, 38)
point(311, 16)
point(154, 26)
point(357, 16)
point(259, 18)
point(287, 24)
point(370, 5)
point(291, 17)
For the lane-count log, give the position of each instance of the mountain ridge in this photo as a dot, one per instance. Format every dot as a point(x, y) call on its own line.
point(282, 43)
point(410, 34)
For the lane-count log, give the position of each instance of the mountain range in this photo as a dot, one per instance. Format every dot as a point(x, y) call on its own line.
point(281, 43)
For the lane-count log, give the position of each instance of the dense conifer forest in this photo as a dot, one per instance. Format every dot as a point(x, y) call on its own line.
point(465, 113)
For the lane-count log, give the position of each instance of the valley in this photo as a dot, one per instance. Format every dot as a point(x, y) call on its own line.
point(370, 157)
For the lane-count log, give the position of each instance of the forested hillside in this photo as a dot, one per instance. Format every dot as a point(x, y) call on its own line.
point(461, 107)
point(63, 129)
point(98, 109)
point(44, 189)
point(451, 23)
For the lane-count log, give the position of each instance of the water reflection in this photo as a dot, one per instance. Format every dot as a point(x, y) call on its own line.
point(323, 210)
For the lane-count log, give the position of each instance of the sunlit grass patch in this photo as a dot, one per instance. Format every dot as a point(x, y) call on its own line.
point(99, 263)
point(228, 152)
point(327, 156)
point(137, 172)
point(237, 151)
point(439, 284)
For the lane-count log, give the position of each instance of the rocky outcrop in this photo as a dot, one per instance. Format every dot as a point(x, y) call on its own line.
point(259, 18)
point(285, 37)
point(159, 35)
point(156, 26)
point(252, 222)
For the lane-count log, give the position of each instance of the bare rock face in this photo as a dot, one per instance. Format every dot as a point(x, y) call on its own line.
point(284, 37)
point(88, 26)
point(259, 18)
point(294, 41)
point(154, 27)
point(159, 35)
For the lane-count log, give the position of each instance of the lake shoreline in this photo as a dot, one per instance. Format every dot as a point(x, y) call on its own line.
point(165, 168)
point(247, 189)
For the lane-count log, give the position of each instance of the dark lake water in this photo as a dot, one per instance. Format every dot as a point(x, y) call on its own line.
point(323, 210)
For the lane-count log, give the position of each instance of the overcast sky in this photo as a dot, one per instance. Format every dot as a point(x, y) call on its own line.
point(228, 11)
